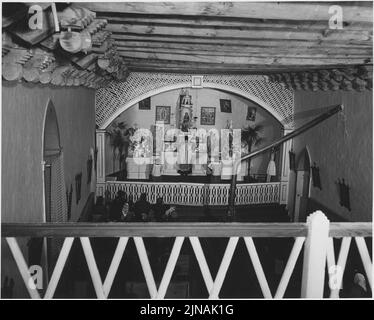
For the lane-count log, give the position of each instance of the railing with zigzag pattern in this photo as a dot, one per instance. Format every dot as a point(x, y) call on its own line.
point(198, 194)
point(316, 237)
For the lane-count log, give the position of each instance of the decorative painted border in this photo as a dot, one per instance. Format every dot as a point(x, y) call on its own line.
point(119, 96)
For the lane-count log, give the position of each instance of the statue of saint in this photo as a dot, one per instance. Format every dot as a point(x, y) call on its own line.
point(186, 122)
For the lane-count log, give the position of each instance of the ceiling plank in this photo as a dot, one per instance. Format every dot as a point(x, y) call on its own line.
point(337, 35)
point(242, 50)
point(353, 11)
point(226, 22)
point(245, 60)
point(257, 53)
point(148, 65)
point(242, 42)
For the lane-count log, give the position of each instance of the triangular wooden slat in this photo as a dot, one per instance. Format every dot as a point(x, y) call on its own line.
point(113, 268)
point(92, 266)
point(365, 257)
point(258, 268)
point(147, 270)
point(59, 267)
point(170, 267)
point(295, 252)
point(225, 263)
point(204, 268)
point(22, 266)
point(334, 273)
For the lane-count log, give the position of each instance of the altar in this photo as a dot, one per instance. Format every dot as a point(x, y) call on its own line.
point(182, 154)
point(178, 146)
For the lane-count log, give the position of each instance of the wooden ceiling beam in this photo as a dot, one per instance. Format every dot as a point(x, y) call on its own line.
point(274, 33)
point(226, 22)
point(185, 66)
point(241, 50)
point(257, 53)
point(242, 42)
point(301, 77)
point(196, 68)
point(198, 58)
point(353, 11)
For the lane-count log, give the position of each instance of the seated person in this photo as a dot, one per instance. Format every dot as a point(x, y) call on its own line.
point(152, 216)
point(159, 209)
point(127, 212)
point(170, 215)
point(115, 213)
point(144, 217)
point(359, 288)
point(141, 207)
point(99, 210)
point(131, 203)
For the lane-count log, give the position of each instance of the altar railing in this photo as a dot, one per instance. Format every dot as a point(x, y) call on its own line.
point(197, 194)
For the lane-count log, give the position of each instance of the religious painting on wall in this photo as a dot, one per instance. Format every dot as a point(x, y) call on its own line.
point(89, 169)
point(78, 185)
point(145, 104)
point(163, 114)
point(208, 116)
point(225, 105)
point(69, 198)
point(251, 113)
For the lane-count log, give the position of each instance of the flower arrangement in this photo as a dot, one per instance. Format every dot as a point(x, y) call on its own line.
point(140, 145)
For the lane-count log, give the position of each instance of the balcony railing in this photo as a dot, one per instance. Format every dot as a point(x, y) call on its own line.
point(198, 194)
point(315, 236)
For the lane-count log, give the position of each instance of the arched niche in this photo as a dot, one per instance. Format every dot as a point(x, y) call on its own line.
point(51, 137)
point(238, 92)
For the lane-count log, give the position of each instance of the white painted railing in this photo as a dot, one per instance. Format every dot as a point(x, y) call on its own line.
point(315, 236)
point(197, 194)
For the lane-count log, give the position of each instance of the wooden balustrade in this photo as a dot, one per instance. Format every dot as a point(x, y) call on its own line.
point(315, 236)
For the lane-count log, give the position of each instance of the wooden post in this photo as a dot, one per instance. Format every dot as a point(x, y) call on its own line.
point(100, 178)
point(285, 168)
point(315, 251)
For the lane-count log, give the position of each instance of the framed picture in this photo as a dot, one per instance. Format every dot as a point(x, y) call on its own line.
point(145, 104)
point(163, 114)
point(208, 116)
point(225, 105)
point(251, 113)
